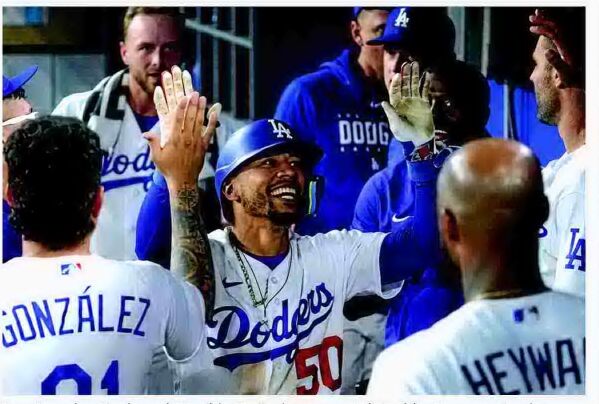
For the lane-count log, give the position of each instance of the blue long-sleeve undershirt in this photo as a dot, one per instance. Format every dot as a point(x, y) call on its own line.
point(414, 243)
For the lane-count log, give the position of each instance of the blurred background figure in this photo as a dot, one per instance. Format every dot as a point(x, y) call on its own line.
point(16, 109)
point(338, 108)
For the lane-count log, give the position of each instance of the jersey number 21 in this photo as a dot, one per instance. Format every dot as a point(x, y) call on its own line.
point(110, 381)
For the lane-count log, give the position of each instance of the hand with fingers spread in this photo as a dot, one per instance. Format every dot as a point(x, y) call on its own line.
point(570, 74)
point(179, 154)
point(408, 110)
point(176, 85)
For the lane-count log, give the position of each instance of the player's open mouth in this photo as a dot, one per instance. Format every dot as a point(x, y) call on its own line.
point(286, 193)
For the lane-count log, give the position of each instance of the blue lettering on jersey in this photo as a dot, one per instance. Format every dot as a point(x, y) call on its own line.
point(318, 302)
point(69, 315)
point(540, 368)
point(119, 163)
point(577, 252)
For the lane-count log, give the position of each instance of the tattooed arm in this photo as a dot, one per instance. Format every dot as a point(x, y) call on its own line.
point(190, 255)
point(179, 154)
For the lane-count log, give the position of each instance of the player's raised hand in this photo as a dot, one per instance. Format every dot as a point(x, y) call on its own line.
point(569, 73)
point(175, 85)
point(408, 110)
point(181, 111)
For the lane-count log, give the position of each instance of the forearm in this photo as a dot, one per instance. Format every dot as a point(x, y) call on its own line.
point(190, 254)
point(414, 243)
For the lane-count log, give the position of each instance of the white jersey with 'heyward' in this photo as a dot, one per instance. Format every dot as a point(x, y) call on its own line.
point(562, 243)
point(88, 325)
point(293, 345)
point(525, 345)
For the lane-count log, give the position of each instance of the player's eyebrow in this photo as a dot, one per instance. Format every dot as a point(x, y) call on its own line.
point(144, 44)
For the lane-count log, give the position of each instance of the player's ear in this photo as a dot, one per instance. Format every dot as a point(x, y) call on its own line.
point(123, 52)
point(448, 226)
point(97, 203)
point(356, 34)
point(229, 192)
point(9, 198)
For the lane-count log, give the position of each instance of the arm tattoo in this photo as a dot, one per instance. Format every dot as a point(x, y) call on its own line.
point(190, 255)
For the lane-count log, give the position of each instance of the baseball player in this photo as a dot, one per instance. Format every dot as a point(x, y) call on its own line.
point(276, 326)
point(513, 336)
point(16, 109)
point(120, 108)
point(426, 35)
point(460, 97)
point(559, 59)
point(86, 325)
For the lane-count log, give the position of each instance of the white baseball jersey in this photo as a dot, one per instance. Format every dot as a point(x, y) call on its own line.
point(126, 173)
point(88, 325)
point(295, 344)
point(562, 240)
point(525, 345)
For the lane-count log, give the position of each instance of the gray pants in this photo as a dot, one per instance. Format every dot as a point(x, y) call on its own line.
point(363, 340)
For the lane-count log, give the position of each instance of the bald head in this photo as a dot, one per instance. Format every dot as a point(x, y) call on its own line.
point(491, 205)
point(491, 181)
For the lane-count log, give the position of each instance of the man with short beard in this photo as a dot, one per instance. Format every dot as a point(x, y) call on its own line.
point(559, 88)
point(120, 108)
point(276, 322)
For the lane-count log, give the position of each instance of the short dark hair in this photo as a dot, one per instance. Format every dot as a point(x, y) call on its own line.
point(468, 88)
point(54, 166)
point(15, 95)
point(173, 12)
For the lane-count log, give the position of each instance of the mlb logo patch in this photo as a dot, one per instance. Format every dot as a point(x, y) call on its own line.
point(519, 315)
point(66, 269)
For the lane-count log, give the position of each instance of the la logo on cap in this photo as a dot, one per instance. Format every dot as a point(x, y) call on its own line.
point(280, 130)
point(402, 19)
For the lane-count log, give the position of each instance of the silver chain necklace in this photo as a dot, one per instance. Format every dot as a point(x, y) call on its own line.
point(248, 282)
point(246, 277)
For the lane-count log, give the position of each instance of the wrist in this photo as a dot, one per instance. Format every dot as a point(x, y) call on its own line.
point(179, 184)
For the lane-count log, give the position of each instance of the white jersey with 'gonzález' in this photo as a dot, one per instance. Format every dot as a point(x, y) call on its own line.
point(293, 345)
point(88, 325)
point(525, 345)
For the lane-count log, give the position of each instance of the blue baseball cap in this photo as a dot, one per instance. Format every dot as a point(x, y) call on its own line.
point(12, 84)
point(423, 29)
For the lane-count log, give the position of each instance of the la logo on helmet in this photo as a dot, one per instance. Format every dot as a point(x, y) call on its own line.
point(402, 19)
point(280, 130)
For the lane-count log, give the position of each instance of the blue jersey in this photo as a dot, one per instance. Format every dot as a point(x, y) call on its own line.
point(385, 203)
point(11, 239)
point(337, 109)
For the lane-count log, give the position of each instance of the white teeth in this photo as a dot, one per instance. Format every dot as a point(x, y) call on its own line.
point(284, 190)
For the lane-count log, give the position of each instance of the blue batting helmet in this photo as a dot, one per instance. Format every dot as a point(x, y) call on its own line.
point(265, 136)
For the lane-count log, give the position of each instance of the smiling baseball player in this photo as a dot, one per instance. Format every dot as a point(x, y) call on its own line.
point(277, 321)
